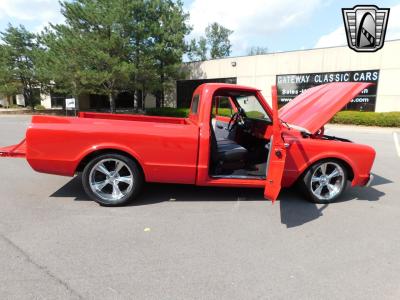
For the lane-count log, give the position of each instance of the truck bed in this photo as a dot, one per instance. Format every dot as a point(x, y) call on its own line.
point(127, 117)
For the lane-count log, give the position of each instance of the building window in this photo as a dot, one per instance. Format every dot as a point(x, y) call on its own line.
point(57, 100)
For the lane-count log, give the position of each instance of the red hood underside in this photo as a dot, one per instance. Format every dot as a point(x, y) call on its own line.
point(315, 107)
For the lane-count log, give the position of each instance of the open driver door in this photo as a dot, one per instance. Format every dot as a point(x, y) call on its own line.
point(276, 154)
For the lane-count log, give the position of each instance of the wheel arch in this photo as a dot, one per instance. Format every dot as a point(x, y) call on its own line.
point(91, 155)
point(344, 162)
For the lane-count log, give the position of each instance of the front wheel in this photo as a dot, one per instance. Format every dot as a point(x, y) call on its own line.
point(324, 181)
point(112, 179)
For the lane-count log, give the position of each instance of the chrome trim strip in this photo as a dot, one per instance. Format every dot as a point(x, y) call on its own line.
point(238, 177)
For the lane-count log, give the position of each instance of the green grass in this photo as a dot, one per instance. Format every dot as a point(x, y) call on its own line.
point(389, 119)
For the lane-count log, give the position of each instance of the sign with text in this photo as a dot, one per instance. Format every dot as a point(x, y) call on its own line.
point(291, 85)
point(70, 104)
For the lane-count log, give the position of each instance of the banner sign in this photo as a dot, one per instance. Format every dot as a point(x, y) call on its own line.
point(70, 104)
point(291, 85)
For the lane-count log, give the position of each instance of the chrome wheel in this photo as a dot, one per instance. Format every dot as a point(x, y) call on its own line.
point(327, 181)
point(111, 179)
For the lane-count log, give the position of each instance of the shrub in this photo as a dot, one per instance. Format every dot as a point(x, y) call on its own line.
point(168, 112)
point(224, 112)
point(387, 119)
point(39, 107)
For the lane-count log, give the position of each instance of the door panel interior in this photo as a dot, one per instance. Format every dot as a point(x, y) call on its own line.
point(276, 155)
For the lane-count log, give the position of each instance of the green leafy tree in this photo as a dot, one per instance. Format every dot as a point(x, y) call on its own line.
point(18, 58)
point(112, 46)
point(136, 26)
point(215, 44)
point(59, 68)
point(9, 85)
point(167, 44)
point(218, 38)
point(198, 49)
point(90, 52)
point(256, 50)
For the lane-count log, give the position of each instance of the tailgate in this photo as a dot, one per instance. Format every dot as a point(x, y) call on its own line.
point(18, 150)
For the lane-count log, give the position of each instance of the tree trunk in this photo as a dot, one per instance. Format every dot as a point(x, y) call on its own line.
point(75, 95)
point(28, 99)
point(143, 100)
point(162, 79)
point(9, 101)
point(158, 99)
point(144, 93)
point(135, 100)
point(135, 78)
point(112, 102)
point(139, 99)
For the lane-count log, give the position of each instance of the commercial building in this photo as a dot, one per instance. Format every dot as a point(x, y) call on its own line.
point(86, 102)
point(295, 71)
point(45, 100)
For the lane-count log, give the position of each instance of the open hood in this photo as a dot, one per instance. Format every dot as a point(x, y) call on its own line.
point(316, 106)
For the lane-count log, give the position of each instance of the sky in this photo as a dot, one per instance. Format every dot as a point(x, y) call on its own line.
point(279, 25)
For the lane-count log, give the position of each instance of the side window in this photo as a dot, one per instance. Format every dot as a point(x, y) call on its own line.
point(222, 107)
point(195, 104)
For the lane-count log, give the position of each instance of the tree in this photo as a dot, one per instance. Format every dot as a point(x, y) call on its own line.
point(90, 52)
point(215, 44)
point(18, 60)
point(137, 27)
point(167, 44)
point(218, 38)
point(257, 50)
point(93, 38)
point(112, 46)
point(9, 85)
point(198, 49)
point(59, 68)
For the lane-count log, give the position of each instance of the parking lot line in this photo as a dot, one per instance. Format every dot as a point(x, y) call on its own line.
point(396, 143)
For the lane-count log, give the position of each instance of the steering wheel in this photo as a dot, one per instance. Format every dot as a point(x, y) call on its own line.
point(237, 119)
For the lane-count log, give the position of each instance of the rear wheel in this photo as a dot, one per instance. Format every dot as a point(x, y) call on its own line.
point(325, 181)
point(112, 179)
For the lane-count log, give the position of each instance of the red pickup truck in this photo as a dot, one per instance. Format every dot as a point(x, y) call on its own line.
point(231, 138)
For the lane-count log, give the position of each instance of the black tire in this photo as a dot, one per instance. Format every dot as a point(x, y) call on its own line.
point(120, 186)
point(311, 189)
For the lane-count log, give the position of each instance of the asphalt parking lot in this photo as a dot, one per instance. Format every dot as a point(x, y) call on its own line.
point(185, 242)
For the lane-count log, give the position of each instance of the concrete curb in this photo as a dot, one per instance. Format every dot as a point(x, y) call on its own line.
point(361, 128)
point(30, 112)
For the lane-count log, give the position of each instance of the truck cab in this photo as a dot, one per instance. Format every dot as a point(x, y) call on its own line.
point(240, 141)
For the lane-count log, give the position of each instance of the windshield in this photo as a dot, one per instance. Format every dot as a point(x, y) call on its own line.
point(252, 107)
